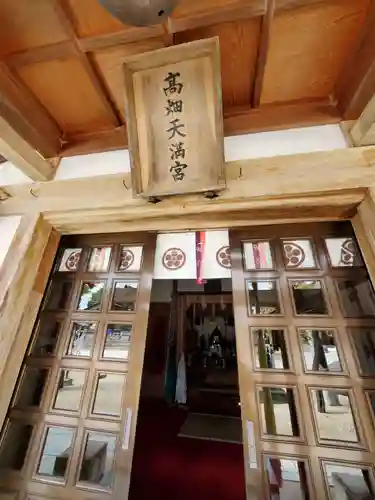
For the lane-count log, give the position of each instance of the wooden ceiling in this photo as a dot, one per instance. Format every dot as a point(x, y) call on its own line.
point(284, 63)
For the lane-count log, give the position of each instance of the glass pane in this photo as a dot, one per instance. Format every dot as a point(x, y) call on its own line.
point(70, 390)
point(348, 482)
point(32, 386)
point(257, 255)
point(287, 479)
point(70, 259)
point(81, 339)
point(124, 296)
point(319, 350)
point(299, 254)
point(46, 338)
point(99, 259)
point(117, 341)
point(91, 296)
point(357, 297)
point(343, 252)
point(56, 452)
point(59, 295)
point(270, 349)
point(334, 415)
point(279, 412)
point(108, 395)
point(14, 445)
point(97, 465)
point(364, 341)
point(130, 259)
point(308, 297)
point(263, 297)
point(371, 400)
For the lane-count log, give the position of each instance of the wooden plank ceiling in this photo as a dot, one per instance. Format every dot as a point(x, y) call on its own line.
point(284, 63)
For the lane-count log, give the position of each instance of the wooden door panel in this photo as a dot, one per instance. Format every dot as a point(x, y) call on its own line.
point(304, 312)
point(81, 378)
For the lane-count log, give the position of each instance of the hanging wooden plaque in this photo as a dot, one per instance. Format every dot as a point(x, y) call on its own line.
point(174, 119)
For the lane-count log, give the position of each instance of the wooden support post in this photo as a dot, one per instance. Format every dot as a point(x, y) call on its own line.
point(364, 227)
point(23, 278)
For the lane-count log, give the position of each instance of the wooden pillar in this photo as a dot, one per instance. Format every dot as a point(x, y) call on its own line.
point(364, 227)
point(23, 278)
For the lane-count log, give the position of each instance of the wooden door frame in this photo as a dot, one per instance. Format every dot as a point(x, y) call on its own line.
point(30, 259)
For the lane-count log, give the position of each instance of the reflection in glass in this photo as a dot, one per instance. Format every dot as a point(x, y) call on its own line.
point(14, 445)
point(364, 341)
point(59, 295)
point(70, 259)
point(308, 297)
point(357, 297)
point(31, 388)
point(117, 341)
point(257, 255)
point(91, 296)
point(263, 297)
point(124, 296)
point(99, 259)
point(270, 349)
point(319, 350)
point(347, 482)
point(97, 465)
point(298, 254)
point(287, 479)
point(81, 339)
point(279, 412)
point(46, 338)
point(56, 452)
point(343, 252)
point(108, 395)
point(70, 389)
point(334, 415)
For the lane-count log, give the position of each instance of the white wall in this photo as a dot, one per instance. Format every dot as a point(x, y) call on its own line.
point(8, 227)
point(241, 147)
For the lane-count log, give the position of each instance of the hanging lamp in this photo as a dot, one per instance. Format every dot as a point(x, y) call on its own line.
point(140, 12)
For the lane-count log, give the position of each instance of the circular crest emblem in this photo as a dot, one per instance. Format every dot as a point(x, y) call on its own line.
point(173, 259)
point(126, 259)
point(294, 254)
point(223, 257)
point(347, 253)
point(72, 260)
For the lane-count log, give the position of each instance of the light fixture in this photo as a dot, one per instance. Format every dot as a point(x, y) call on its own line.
point(140, 12)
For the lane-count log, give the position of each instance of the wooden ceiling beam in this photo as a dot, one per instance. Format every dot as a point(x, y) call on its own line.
point(237, 121)
point(363, 130)
point(356, 84)
point(260, 67)
point(63, 12)
point(23, 113)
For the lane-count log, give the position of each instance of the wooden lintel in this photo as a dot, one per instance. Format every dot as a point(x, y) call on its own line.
point(363, 130)
point(256, 184)
point(19, 152)
point(280, 116)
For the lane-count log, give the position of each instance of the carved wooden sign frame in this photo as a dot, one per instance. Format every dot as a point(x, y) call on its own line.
point(174, 120)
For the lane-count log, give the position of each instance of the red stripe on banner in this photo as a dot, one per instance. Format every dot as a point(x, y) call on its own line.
point(256, 254)
point(200, 240)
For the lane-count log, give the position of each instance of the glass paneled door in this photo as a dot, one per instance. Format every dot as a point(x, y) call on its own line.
point(70, 429)
point(305, 329)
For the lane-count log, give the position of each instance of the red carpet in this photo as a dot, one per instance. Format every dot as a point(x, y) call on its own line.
point(168, 467)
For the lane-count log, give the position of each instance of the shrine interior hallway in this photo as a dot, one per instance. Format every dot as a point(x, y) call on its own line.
point(167, 466)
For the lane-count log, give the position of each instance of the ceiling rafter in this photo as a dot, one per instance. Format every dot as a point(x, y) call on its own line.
point(65, 16)
point(264, 40)
point(356, 84)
